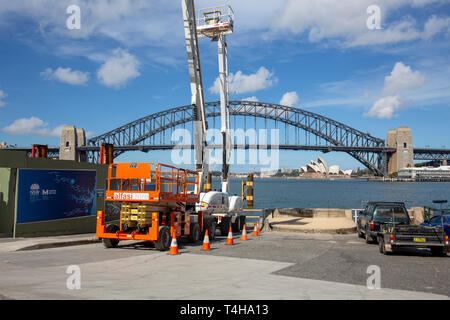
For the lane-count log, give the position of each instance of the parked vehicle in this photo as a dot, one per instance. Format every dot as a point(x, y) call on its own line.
point(377, 214)
point(436, 222)
point(226, 210)
point(393, 236)
point(157, 201)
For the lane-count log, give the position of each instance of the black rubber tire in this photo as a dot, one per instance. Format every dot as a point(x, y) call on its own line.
point(237, 225)
point(194, 233)
point(438, 251)
point(225, 226)
point(243, 221)
point(381, 247)
point(358, 230)
point(111, 243)
point(210, 224)
point(212, 229)
point(164, 239)
point(369, 239)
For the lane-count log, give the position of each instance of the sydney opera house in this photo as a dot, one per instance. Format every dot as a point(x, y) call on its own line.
point(321, 166)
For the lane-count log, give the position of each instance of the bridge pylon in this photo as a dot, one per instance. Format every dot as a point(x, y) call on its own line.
point(400, 139)
point(71, 139)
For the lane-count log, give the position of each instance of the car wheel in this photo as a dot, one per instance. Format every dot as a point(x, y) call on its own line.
point(358, 230)
point(369, 239)
point(381, 247)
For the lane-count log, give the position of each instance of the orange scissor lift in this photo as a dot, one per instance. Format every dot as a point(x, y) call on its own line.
point(156, 200)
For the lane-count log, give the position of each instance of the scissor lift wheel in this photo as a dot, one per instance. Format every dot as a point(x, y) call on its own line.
point(164, 239)
point(111, 243)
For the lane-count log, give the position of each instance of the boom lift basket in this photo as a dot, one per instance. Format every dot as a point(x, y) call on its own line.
point(214, 21)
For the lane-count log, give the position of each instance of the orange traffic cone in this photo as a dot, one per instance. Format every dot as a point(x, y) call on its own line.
point(206, 245)
point(230, 237)
point(174, 245)
point(244, 233)
point(255, 230)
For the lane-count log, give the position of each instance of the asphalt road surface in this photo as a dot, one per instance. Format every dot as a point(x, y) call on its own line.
point(273, 266)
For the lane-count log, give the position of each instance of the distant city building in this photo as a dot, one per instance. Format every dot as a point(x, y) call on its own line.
point(424, 172)
point(288, 170)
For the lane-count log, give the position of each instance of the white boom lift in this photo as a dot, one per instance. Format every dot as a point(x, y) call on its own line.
point(213, 23)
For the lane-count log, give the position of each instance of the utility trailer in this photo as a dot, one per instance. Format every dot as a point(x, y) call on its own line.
point(393, 236)
point(224, 209)
point(156, 200)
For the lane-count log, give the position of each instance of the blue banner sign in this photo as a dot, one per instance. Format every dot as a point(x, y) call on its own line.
point(55, 194)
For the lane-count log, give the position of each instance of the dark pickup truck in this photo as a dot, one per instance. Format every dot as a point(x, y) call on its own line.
point(388, 224)
point(378, 213)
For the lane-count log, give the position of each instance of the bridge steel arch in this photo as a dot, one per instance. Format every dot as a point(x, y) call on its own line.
point(333, 132)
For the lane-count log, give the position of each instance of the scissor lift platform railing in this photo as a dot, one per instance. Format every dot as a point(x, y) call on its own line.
point(151, 182)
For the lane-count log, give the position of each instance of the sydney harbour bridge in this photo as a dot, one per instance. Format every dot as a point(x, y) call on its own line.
point(298, 129)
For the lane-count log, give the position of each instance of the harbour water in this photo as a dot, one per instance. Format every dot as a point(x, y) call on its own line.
point(345, 194)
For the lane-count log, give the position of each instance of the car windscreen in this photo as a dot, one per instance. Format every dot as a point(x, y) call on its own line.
point(388, 213)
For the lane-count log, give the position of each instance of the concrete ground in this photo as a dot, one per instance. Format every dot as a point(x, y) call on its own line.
point(275, 265)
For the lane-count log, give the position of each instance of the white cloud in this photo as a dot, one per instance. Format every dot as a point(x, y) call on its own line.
point(401, 78)
point(385, 107)
point(33, 126)
point(289, 99)
point(243, 83)
point(119, 69)
point(158, 23)
point(252, 98)
point(126, 21)
point(66, 75)
point(345, 21)
point(435, 25)
point(2, 96)
point(400, 31)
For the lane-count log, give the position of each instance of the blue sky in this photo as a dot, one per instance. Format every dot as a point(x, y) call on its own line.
point(128, 60)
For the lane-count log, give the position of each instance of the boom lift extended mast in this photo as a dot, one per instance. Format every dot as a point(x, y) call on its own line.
point(215, 23)
point(197, 100)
